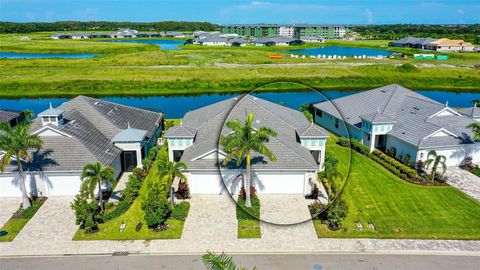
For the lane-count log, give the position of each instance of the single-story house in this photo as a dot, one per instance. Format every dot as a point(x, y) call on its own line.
point(125, 33)
point(274, 41)
point(450, 45)
point(81, 36)
point(81, 131)
point(394, 117)
point(412, 42)
point(299, 148)
point(174, 34)
point(236, 42)
point(312, 39)
point(11, 117)
point(212, 41)
point(61, 36)
point(472, 112)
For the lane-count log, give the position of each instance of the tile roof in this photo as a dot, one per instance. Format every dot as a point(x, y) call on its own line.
point(209, 124)
point(93, 124)
point(130, 135)
point(180, 131)
point(8, 115)
point(414, 115)
point(473, 112)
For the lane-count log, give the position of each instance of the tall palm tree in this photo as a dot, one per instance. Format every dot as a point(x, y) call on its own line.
point(435, 160)
point(475, 129)
point(222, 261)
point(239, 144)
point(169, 170)
point(15, 142)
point(95, 175)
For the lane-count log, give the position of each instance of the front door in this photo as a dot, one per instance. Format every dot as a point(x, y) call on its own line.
point(129, 160)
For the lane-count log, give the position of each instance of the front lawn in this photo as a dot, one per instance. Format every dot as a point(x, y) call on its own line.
point(111, 230)
point(248, 219)
point(19, 219)
point(399, 209)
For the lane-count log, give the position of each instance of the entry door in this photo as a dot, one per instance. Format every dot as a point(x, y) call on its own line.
point(129, 160)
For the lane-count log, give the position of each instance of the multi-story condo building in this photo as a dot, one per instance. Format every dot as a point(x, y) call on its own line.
point(291, 30)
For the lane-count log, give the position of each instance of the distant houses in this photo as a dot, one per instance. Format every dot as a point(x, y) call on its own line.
point(120, 33)
point(440, 45)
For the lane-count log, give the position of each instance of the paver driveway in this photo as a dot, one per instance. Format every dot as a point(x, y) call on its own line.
point(211, 219)
point(467, 182)
point(54, 223)
point(281, 214)
point(9, 206)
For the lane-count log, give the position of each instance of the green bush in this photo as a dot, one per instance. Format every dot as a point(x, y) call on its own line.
point(334, 215)
point(315, 209)
point(393, 165)
point(30, 212)
point(85, 212)
point(156, 206)
point(180, 211)
point(244, 212)
point(407, 67)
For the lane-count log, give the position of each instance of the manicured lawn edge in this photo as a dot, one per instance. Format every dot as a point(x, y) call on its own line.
point(248, 219)
point(16, 223)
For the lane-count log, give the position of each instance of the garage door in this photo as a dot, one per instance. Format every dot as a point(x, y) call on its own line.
point(9, 186)
point(205, 183)
point(63, 185)
point(454, 156)
point(288, 183)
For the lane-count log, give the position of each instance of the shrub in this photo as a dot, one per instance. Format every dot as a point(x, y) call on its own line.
point(180, 211)
point(334, 215)
point(183, 191)
point(355, 145)
point(315, 209)
point(407, 67)
point(30, 211)
point(85, 212)
point(156, 206)
point(244, 212)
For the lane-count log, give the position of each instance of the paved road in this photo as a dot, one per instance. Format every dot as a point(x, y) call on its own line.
point(262, 262)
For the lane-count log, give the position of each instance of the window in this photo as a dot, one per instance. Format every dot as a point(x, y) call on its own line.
point(336, 123)
point(319, 113)
point(53, 119)
point(46, 119)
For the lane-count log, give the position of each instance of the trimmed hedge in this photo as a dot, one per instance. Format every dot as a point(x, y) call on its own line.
point(180, 211)
point(396, 167)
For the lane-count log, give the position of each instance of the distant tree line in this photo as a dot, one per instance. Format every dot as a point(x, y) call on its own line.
point(469, 33)
point(13, 27)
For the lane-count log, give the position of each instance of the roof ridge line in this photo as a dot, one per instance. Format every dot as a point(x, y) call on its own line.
point(276, 115)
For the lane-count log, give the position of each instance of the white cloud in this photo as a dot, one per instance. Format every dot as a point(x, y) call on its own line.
point(368, 13)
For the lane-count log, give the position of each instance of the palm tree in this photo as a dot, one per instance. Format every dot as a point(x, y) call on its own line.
point(239, 144)
point(15, 143)
point(170, 170)
point(223, 261)
point(305, 108)
point(329, 174)
point(475, 129)
point(95, 175)
point(435, 160)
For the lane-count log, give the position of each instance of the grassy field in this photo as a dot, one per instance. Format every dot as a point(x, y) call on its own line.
point(134, 215)
point(249, 228)
point(141, 69)
point(397, 208)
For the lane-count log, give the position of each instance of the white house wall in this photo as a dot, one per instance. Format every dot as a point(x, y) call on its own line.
point(62, 184)
point(456, 155)
point(402, 148)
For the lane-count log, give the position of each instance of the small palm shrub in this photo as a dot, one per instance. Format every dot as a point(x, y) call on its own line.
point(180, 211)
point(156, 206)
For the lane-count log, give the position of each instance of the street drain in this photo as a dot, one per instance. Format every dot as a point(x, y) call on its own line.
point(120, 253)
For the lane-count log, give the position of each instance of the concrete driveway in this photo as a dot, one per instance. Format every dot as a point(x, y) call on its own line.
point(53, 224)
point(9, 206)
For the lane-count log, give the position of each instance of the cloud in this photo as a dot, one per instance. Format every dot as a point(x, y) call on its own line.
point(259, 3)
point(368, 13)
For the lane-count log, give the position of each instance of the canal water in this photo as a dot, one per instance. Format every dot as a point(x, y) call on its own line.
point(14, 55)
point(177, 106)
point(341, 51)
point(165, 44)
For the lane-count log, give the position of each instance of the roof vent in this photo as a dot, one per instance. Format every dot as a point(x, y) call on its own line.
point(97, 103)
point(107, 151)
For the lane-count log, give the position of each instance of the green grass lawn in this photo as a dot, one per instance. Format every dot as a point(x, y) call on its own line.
point(111, 229)
point(13, 227)
point(399, 209)
point(249, 228)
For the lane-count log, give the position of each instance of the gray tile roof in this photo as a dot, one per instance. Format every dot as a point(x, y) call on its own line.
point(414, 41)
point(180, 131)
point(312, 131)
point(51, 112)
point(377, 118)
point(473, 112)
point(209, 123)
point(413, 115)
point(93, 124)
point(8, 115)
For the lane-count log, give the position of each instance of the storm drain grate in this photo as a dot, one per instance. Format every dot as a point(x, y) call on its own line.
point(120, 253)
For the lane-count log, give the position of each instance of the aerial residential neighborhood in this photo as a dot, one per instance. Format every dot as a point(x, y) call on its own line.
point(239, 135)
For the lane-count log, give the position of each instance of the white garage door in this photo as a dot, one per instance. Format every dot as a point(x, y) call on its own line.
point(63, 185)
point(272, 183)
point(205, 183)
point(266, 183)
point(455, 157)
point(9, 186)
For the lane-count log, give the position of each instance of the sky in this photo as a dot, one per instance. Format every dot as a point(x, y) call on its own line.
point(241, 11)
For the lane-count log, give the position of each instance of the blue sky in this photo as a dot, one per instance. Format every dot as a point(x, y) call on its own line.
point(238, 11)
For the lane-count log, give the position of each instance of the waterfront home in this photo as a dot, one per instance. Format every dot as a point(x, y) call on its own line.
point(450, 45)
point(412, 42)
point(11, 117)
point(236, 42)
point(212, 41)
point(174, 34)
point(299, 147)
point(125, 33)
point(472, 112)
point(61, 36)
point(275, 41)
point(81, 131)
point(402, 121)
point(312, 39)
